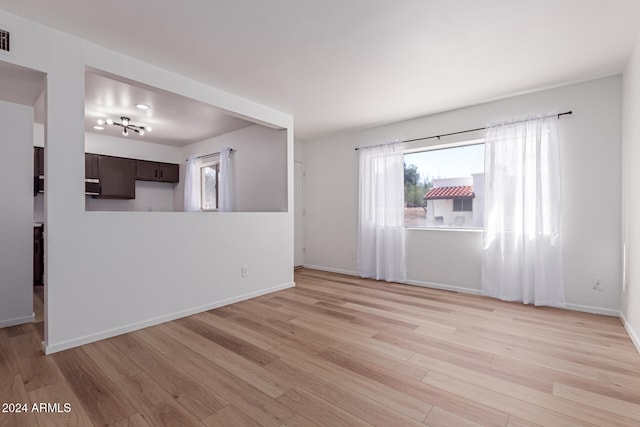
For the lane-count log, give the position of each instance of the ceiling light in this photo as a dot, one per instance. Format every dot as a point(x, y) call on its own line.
point(100, 122)
point(127, 126)
point(147, 128)
point(143, 106)
point(98, 127)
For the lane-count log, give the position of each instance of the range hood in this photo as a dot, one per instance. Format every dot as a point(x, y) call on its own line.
point(91, 186)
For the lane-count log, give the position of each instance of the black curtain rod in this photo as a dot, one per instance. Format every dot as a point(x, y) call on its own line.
point(465, 131)
point(210, 155)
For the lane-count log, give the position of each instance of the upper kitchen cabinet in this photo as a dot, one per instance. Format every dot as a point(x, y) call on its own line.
point(38, 170)
point(38, 161)
point(156, 171)
point(91, 166)
point(117, 177)
point(91, 175)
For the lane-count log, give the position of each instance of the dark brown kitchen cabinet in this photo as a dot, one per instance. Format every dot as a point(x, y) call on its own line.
point(169, 172)
point(117, 177)
point(156, 171)
point(109, 177)
point(38, 170)
point(91, 166)
point(38, 161)
point(38, 254)
point(146, 171)
point(91, 175)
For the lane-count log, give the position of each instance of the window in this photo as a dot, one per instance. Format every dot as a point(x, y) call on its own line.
point(444, 186)
point(463, 205)
point(209, 178)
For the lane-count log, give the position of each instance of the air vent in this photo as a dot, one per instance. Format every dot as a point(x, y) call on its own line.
point(5, 41)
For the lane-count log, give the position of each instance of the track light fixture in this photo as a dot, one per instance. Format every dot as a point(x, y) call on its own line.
point(125, 124)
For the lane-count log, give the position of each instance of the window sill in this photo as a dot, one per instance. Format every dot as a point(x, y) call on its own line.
point(456, 229)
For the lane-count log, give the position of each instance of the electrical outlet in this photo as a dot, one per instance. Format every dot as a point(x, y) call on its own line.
point(597, 284)
point(244, 271)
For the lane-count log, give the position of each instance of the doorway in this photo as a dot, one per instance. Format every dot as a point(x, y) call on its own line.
point(21, 89)
point(298, 216)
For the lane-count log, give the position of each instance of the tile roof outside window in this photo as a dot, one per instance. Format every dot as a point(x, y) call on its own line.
point(456, 192)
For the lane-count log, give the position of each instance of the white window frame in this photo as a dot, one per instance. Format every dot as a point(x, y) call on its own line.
point(435, 147)
point(209, 163)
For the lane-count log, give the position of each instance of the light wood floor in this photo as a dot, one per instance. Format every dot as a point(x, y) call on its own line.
point(341, 351)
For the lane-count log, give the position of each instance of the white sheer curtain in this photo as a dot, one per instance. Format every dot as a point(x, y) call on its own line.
point(226, 193)
point(381, 250)
point(192, 193)
point(522, 253)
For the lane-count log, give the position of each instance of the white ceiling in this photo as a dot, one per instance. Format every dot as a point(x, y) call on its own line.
point(337, 65)
point(174, 119)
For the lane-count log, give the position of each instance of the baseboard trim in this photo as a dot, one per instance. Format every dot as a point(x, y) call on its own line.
point(635, 338)
point(65, 345)
point(593, 310)
point(444, 287)
point(331, 269)
point(17, 321)
point(408, 282)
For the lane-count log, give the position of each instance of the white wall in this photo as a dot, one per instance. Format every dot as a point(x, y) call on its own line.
point(591, 146)
point(145, 268)
point(298, 154)
point(131, 148)
point(630, 304)
point(298, 151)
point(16, 226)
point(259, 167)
